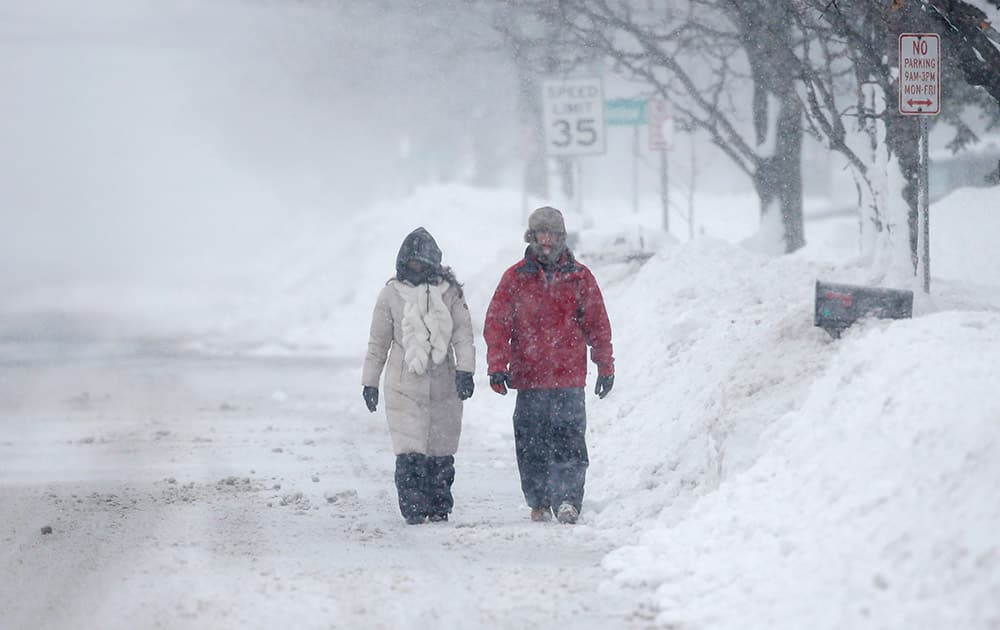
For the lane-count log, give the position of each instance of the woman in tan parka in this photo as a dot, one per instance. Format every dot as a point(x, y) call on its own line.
point(421, 335)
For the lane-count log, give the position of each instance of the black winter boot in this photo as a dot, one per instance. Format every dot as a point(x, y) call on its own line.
point(411, 485)
point(440, 476)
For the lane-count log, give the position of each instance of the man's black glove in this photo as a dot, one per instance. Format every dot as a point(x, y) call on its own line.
point(370, 394)
point(498, 381)
point(604, 385)
point(464, 385)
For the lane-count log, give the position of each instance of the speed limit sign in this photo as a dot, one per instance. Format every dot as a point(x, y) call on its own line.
point(574, 116)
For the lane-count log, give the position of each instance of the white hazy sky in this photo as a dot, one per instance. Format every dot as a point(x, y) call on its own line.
point(172, 135)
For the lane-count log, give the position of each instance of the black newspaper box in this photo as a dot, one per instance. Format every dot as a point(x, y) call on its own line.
point(840, 305)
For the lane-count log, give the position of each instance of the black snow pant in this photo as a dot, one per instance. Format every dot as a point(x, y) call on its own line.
point(424, 484)
point(440, 476)
point(550, 428)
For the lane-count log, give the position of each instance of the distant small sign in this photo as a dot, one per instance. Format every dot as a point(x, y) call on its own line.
point(625, 112)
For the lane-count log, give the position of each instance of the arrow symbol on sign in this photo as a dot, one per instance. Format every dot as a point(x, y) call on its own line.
point(912, 102)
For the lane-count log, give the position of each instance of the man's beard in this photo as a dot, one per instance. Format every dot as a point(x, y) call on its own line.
point(555, 252)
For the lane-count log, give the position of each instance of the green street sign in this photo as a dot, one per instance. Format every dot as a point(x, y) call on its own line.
point(625, 112)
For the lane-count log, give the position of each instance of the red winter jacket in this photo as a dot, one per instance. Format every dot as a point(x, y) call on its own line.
point(537, 329)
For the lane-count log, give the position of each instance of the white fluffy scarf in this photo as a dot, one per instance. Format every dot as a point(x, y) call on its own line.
point(426, 324)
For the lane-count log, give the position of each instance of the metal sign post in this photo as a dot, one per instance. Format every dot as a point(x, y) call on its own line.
point(661, 132)
point(923, 209)
point(920, 95)
point(628, 112)
point(573, 115)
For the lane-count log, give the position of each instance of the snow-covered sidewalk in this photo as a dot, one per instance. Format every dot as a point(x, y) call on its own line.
point(185, 492)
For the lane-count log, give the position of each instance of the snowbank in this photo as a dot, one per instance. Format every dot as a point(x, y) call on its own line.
point(776, 478)
point(713, 346)
point(869, 505)
point(321, 297)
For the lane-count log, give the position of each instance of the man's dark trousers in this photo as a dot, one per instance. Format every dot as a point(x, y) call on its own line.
point(550, 428)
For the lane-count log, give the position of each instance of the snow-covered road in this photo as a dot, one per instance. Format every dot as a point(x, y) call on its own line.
point(196, 492)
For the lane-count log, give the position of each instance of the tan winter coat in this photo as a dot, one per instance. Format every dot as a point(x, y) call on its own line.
point(423, 410)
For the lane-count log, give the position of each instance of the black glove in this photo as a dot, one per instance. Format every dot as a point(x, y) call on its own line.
point(370, 394)
point(604, 385)
point(498, 381)
point(464, 385)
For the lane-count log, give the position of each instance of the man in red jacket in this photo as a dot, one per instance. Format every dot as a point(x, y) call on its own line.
point(545, 312)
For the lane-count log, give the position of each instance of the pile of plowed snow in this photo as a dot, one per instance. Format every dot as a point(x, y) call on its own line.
point(776, 478)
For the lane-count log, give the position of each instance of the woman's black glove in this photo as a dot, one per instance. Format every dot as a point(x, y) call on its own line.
point(464, 385)
point(370, 394)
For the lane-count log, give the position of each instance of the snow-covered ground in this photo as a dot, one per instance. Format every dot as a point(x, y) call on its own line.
point(747, 470)
point(185, 492)
point(188, 263)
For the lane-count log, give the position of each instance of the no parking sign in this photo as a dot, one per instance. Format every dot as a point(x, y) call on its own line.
point(919, 74)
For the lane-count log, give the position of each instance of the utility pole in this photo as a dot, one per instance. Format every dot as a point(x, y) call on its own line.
point(661, 127)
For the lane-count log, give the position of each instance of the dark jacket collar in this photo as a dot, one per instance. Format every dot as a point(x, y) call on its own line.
point(566, 263)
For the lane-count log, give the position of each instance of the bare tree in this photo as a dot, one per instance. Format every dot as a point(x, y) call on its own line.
point(864, 33)
point(707, 58)
point(824, 63)
point(539, 43)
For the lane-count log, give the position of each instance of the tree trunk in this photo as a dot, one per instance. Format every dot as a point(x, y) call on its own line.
point(487, 162)
point(778, 179)
point(903, 132)
point(536, 176)
point(903, 138)
point(567, 175)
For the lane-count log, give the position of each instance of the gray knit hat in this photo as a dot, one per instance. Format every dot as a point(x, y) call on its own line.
point(545, 219)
